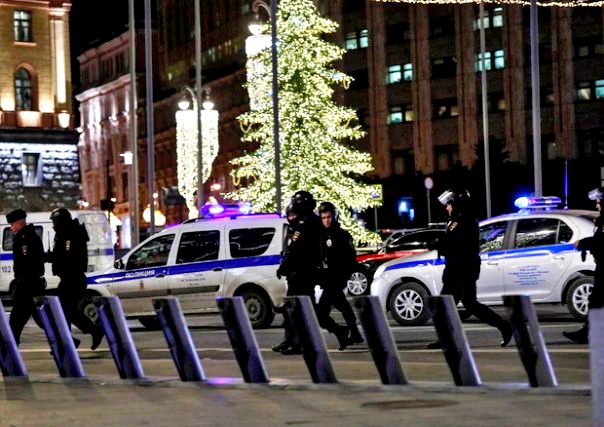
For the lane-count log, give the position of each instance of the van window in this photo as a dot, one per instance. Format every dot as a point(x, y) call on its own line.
point(152, 254)
point(7, 237)
point(198, 246)
point(250, 241)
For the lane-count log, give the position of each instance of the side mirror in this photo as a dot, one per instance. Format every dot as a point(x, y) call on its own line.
point(119, 264)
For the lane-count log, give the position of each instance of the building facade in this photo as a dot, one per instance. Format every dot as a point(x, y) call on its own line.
point(417, 91)
point(38, 143)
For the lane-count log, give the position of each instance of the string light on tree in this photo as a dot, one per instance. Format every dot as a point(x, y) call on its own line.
point(315, 132)
point(573, 3)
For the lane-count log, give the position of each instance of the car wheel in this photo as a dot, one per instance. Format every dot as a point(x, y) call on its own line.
point(359, 281)
point(408, 304)
point(87, 307)
point(259, 308)
point(577, 297)
point(150, 322)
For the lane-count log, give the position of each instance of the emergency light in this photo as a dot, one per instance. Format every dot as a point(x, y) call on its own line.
point(533, 203)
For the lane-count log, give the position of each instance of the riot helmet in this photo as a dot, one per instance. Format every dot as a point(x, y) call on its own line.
point(596, 194)
point(60, 217)
point(329, 207)
point(459, 198)
point(302, 203)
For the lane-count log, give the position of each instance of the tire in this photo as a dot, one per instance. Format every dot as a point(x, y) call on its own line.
point(87, 307)
point(577, 297)
point(408, 304)
point(150, 322)
point(359, 282)
point(259, 307)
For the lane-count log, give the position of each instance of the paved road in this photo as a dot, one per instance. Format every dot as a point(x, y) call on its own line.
point(430, 398)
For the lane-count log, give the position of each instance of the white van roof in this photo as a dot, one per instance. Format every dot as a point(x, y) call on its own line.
point(40, 217)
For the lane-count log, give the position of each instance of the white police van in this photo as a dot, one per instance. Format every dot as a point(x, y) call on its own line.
point(197, 261)
point(100, 247)
point(530, 252)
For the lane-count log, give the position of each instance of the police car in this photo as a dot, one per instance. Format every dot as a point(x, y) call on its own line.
point(530, 252)
point(229, 255)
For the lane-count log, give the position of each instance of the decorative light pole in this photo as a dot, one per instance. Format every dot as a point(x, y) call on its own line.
point(255, 30)
point(192, 140)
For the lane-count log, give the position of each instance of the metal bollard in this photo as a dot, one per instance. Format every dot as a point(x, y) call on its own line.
point(179, 339)
point(11, 362)
point(379, 339)
point(59, 337)
point(243, 339)
point(596, 363)
point(301, 313)
point(454, 341)
point(530, 342)
point(118, 337)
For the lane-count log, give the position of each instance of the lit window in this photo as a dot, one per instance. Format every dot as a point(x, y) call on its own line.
point(364, 39)
point(499, 59)
point(487, 61)
point(31, 170)
point(583, 91)
point(395, 115)
point(395, 74)
point(23, 90)
point(409, 114)
point(498, 17)
point(22, 26)
point(408, 72)
point(599, 89)
point(583, 51)
point(351, 41)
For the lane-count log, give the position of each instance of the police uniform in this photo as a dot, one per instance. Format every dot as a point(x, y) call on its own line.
point(69, 259)
point(28, 267)
point(460, 247)
point(338, 260)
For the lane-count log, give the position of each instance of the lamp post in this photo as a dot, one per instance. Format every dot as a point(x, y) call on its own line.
point(272, 12)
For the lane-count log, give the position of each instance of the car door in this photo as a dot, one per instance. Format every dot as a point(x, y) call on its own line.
point(540, 254)
point(145, 275)
point(198, 271)
point(492, 237)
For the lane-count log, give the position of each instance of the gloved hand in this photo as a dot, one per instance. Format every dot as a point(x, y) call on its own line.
point(280, 273)
point(583, 255)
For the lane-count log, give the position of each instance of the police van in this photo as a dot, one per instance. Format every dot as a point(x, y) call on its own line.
point(233, 255)
point(100, 247)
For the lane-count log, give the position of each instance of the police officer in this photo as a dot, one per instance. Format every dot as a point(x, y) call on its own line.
point(460, 247)
point(338, 261)
point(28, 266)
point(300, 261)
point(595, 245)
point(69, 259)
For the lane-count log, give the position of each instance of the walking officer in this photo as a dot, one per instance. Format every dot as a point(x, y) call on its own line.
point(595, 245)
point(338, 261)
point(460, 246)
point(301, 259)
point(69, 259)
point(28, 267)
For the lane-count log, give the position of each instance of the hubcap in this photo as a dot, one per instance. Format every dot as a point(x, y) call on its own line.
point(357, 284)
point(581, 298)
point(254, 308)
point(408, 304)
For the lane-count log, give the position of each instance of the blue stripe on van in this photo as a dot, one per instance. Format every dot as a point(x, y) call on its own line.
point(193, 267)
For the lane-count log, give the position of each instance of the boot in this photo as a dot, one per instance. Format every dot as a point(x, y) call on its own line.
point(281, 346)
point(506, 335)
point(580, 336)
point(97, 337)
point(341, 334)
point(355, 337)
point(435, 345)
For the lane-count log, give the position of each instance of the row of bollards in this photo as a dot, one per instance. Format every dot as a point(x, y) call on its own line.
point(300, 312)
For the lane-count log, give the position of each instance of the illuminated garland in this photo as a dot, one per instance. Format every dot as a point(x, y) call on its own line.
point(572, 3)
point(313, 128)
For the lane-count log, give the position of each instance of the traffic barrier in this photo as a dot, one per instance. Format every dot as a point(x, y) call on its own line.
point(379, 339)
point(59, 337)
point(243, 339)
point(301, 314)
point(178, 338)
point(596, 363)
point(11, 362)
point(454, 341)
point(529, 340)
point(118, 337)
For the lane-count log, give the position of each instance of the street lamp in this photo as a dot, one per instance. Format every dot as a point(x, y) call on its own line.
point(255, 30)
point(193, 168)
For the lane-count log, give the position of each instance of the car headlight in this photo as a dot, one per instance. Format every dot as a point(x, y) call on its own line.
point(379, 271)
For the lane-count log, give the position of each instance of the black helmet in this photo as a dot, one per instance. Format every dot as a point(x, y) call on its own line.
point(458, 197)
point(329, 207)
point(302, 203)
point(596, 194)
point(60, 216)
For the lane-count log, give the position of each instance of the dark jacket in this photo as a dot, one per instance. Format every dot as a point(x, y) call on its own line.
point(28, 253)
point(338, 255)
point(595, 244)
point(69, 255)
point(301, 251)
point(460, 243)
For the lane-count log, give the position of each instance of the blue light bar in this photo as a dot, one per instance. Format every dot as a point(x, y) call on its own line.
point(532, 203)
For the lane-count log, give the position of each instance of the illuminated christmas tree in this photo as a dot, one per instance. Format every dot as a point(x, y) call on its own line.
point(314, 131)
